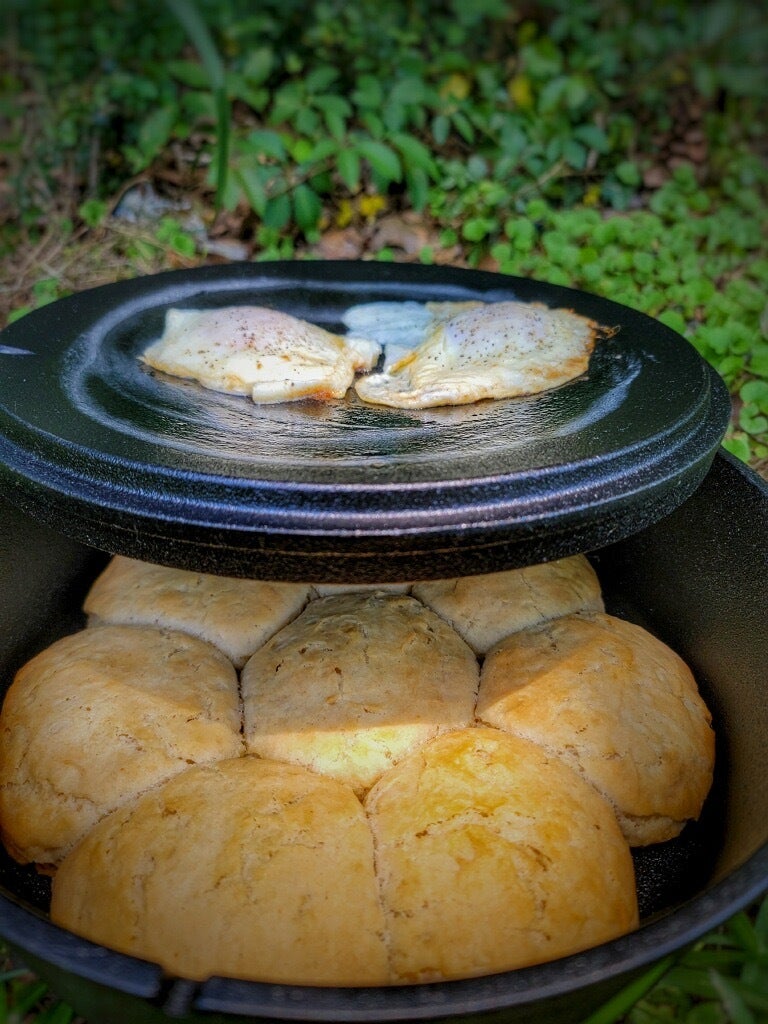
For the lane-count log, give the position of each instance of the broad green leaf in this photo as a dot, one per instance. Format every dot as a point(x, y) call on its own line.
point(382, 159)
point(415, 153)
point(348, 166)
point(477, 167)
point(302, 150)
point(374, 124)
point(477, 228)
point(277, 213)
point(266, 142)
point(252, 182)
point(418, 187)
point(463, 126)
point(189, 72)
point(552, 95)
point(155, 131)
point(318, 80)
point(335, 124)
point(628, 173)
point(323, 149)
point(288, 100)
point(368, 92)
point(716, 21)
point(673, 320)
point(738, 445)
point(576, 92)
point(307, 121)
point(575, 153)
point(307, 207)
point(258, 65)
point(441, 128)
point(394, 115)
point(751, 421)
point(197, 106)
point(592, 136)
point(755, 392)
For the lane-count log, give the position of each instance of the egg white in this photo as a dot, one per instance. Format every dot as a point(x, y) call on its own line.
point(265, 353)
point(398, 327)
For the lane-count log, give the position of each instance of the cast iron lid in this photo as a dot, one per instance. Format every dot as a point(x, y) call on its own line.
point(133, 462)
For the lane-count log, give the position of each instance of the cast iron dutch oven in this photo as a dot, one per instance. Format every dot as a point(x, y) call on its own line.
point(98, 456)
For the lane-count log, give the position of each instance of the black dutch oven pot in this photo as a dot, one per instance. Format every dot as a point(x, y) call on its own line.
point(97, 456)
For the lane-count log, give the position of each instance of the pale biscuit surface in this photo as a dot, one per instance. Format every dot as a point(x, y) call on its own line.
point(484, 609)
point(354, 683)
point(493, 855)
point(235, 615)
point(246, 868)
point(616, 704)
point(99, 716)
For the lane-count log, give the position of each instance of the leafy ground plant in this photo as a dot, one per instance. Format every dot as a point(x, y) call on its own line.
point(25, 999)
point(723, 979)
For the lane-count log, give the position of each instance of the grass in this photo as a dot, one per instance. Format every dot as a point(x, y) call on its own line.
point(23, 998)
point(723, 979)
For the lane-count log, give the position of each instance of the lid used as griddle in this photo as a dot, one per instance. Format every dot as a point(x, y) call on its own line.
point(161, 469)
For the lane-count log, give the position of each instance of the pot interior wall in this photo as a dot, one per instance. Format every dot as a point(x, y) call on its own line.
point(699, 580)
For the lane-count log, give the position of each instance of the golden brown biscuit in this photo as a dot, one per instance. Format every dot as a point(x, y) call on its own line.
point(614, 703)
point(354, 683)
point(235, 615)
point(493, 855)
point(246, 868)
point(484, 609)
point(99, 716)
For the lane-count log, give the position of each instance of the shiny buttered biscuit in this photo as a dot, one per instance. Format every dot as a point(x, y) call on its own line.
point(235, 615)
point(493, 855)
point(485, 609)
point(99, 716)
point(246, 869)
point(616, 704)
point(355, 683)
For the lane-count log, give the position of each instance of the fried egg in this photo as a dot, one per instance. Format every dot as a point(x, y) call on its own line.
point(265, 353)
point(464, 352)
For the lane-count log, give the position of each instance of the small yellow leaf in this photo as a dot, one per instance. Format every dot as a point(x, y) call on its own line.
point(592, 196)
point(455, 87)
point(344, 214)
point(371, 206)
point(520, 91)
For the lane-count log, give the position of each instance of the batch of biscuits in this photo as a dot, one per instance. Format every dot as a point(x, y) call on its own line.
point(349, 786)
